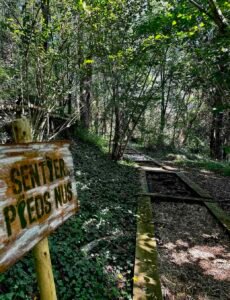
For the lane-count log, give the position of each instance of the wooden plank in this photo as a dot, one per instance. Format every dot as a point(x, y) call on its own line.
point(151, 169)
point(144, 185)
point(136, 157)
point(194, 186)
point(221, 216)
point(37, 194)
point(146, 278)
point(163, 166)
point(178, 198)
point(149, 162)
point(160, 164)
point(157, 162)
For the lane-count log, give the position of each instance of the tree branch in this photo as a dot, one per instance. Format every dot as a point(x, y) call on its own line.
point(216, 16)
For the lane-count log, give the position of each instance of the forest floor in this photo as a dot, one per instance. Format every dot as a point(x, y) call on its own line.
point(193, 249)
point(93, 253)
point(193, 252)
point(217, 185)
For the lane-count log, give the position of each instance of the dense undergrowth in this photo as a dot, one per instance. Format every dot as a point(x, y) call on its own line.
point(93, 252)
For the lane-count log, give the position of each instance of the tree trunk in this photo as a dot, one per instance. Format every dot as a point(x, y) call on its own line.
point(97, 116)
point(86, 72)
point(226, 139)
point(162, 126)
point(85, 96)
point(160, 140)
point(45, 13)
point(216, 138)
point(117, 135)
point(69, 103)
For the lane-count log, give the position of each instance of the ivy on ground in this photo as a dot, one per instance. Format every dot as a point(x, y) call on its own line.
point(93, 252)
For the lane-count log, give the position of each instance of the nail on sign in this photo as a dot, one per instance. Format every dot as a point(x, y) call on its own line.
point(37, 194)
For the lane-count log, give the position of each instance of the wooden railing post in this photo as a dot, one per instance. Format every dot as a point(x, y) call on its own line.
point(22, 134)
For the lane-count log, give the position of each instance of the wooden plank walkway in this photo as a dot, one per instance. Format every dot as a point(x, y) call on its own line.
point(146, 277)
point(222, 217)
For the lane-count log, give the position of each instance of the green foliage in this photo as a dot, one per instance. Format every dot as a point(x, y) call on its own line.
point(209, 165)
point(3, 75)
point(105, 56)
point(185, 158)
point(108, 206)
point(91, 138)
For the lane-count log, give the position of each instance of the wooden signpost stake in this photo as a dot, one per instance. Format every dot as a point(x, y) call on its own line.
point(22, 134)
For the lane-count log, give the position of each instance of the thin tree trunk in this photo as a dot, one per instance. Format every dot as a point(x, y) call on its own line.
point(86, 73)
point(45, 14)
point(117, 135)
point(164, 102)
point(226, 139)
point(69, 103)
point(85, 96)
point(111, 132)
point(216, 140)
point(162, 127)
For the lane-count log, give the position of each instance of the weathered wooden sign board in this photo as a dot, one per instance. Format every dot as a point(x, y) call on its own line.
point(37, 194)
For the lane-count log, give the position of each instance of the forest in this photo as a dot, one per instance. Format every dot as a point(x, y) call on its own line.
point(153, 71)
point(118, 77)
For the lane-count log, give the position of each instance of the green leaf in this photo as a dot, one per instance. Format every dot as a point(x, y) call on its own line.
point(88, 61)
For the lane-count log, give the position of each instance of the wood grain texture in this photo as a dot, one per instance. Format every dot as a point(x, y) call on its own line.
point(37, 194)
point(146, 283)
point(194, 186)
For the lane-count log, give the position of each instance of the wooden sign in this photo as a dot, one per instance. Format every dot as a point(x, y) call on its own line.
point(37, 194)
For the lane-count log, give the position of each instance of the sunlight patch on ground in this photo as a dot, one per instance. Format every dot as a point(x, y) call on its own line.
point(203, 171)
point(213, 260)
point(146, 243)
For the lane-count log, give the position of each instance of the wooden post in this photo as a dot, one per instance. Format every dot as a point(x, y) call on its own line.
point(22, 134)
point(44, 270)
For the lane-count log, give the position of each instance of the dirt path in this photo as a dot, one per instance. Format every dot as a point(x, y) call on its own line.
point(193, 248)
point(194, 252)
point(218, 186)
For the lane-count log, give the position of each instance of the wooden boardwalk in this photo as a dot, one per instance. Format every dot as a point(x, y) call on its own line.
point(146, 276)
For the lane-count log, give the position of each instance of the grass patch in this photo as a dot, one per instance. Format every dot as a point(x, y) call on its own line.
point(187, 159)
point(209, 165)
point(107, 221)
point(91, 138)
